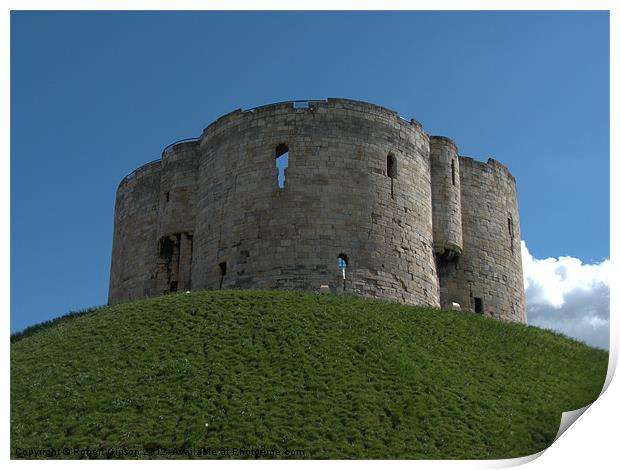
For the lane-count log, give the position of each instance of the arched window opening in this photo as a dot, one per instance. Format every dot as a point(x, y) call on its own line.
point(343, 262)
point(453, 174)
point(281, 163)
point(222, 273)
point(392, 171)
point(391, 166)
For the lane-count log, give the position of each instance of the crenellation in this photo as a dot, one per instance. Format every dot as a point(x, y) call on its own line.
point(417, 223)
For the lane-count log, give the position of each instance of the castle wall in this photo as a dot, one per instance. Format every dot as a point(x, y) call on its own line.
point(135, 230)
point(337, 199)
point(490, 268)
point(412, 221)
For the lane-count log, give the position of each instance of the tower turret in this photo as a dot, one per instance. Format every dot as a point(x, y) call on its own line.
point(175, 223)
point(446, 194)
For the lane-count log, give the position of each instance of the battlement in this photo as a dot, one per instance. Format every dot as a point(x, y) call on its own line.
point(311, 193)
point(490, 165)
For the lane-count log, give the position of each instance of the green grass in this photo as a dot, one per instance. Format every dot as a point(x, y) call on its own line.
point(335, 377)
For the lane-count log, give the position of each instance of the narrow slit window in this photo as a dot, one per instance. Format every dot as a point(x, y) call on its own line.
point(478, 305)
point(453, 174)
point(168, 196)
point(391, 172)
point(281, 163)
point(222, 273)
point(511, 234)
point(343, 262)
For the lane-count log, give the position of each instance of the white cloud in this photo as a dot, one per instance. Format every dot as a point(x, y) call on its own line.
point(565, 295)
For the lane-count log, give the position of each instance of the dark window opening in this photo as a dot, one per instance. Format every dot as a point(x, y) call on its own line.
point(391, 172)
point(478, 305)
point(166, 247)
point(186, 261)
point(173, 269)
point(222, 273)
point(281, 163)
point(391, 166)
point(453, 174)
point(168, 196)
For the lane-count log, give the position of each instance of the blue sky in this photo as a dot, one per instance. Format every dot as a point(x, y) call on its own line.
point(96, 94)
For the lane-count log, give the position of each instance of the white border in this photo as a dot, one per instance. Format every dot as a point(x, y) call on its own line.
point(590, 443)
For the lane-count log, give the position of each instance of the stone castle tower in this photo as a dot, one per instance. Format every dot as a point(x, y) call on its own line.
point(370, 205)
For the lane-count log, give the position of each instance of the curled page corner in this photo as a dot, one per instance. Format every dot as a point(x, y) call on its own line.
point(568, 418)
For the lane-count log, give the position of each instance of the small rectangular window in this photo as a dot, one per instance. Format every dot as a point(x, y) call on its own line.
point(478, 305)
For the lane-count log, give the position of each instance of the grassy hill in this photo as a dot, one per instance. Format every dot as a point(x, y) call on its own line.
point(332, 377)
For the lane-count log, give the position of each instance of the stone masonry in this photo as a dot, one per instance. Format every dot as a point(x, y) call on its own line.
point(370, 205)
